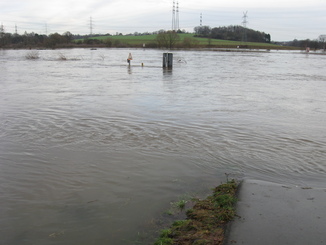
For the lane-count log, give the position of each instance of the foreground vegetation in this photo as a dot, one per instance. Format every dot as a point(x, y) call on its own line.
point(206, 221)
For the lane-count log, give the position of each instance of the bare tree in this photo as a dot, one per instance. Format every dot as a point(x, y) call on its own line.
point(322, 39)
point(202, 30)
point(167, 39)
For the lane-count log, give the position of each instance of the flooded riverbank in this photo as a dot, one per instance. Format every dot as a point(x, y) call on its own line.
point(92, 150)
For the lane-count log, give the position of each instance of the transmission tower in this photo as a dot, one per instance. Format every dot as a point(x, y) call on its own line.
point(2, 30)
point(46, 29)
point(244, 24)
point(201, 19)
point(173, 16)
point(177, 18)
point(90, 26)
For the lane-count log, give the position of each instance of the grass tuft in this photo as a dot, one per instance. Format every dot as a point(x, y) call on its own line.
point(164, 238)
point(181, 204)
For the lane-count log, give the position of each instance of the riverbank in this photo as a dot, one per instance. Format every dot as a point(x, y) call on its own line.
point(206, 221)
point(253, 212)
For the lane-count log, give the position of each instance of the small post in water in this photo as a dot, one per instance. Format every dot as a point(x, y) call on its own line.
point(167, 60)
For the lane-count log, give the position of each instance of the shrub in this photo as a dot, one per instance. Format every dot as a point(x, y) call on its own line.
point(189, 42)
point(32, 55)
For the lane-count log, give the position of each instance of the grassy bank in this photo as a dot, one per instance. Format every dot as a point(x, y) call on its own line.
point(206, 221)
point(187, 40)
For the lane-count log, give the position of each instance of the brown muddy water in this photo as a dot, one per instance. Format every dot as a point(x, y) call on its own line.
point(93, 151)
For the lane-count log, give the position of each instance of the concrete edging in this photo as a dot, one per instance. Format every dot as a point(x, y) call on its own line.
point(276, 214)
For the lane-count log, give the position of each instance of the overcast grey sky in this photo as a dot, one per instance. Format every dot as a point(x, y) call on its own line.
point(283, 19)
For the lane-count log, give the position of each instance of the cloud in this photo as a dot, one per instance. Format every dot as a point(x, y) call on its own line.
point(284, 20)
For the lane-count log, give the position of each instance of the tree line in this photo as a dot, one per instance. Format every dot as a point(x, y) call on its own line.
point(166, 39)
point(34, 40)
point(319, 43)
point(232, 33)
point(67, 39)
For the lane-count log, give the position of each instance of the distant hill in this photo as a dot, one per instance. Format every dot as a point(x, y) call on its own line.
point(186, 40)
point(234, 33)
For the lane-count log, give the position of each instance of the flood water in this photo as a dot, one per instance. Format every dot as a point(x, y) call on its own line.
point(93, 151)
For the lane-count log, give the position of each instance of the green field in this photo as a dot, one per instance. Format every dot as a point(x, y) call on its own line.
point(129, 39)
point(196, 42)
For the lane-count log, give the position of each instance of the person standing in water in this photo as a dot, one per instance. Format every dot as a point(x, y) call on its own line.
point(129, 58)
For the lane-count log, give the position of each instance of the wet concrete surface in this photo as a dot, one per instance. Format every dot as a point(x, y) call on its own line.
point(276, 214)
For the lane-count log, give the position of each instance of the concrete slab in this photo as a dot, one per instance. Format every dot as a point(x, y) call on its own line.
point(276, 214)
